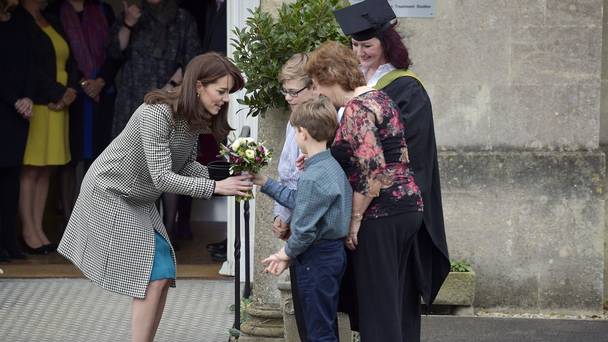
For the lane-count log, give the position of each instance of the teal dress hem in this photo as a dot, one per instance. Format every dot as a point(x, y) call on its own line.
point(163, 266)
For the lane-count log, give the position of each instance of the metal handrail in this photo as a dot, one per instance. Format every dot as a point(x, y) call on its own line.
point(245, 132)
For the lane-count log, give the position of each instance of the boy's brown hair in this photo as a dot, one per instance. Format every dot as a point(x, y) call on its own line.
point(318, 116)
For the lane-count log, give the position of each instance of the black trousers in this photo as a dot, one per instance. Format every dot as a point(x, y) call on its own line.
point(9, 206)
point(316, 278)
point(386, 267)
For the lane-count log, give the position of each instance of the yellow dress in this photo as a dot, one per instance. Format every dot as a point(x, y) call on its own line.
point(48, 138)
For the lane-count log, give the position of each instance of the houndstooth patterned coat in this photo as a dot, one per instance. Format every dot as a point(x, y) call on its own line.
point(110, 235)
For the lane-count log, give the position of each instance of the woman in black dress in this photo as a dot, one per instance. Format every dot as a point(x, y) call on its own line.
point(387, 212)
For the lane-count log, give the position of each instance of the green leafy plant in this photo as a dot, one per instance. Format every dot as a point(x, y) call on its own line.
point(460, 266)
point(245, 303)
point(266, 43)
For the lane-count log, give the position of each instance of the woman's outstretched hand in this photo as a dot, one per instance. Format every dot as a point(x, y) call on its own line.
point(236, 185)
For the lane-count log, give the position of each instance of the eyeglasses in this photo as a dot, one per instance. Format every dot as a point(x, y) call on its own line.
point(293, 93)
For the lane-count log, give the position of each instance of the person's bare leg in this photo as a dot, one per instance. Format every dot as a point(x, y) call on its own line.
point(144, 312)
point(161, 306)
point(41, 193)
point(26, 206)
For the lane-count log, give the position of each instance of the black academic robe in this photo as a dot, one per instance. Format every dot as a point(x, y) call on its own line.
point(417, 115)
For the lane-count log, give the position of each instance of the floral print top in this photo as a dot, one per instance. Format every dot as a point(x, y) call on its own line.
point(370, 145)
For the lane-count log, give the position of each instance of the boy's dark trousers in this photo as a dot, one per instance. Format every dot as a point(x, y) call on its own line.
point(315, 280)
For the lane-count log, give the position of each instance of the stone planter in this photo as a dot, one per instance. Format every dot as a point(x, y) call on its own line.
point(289, 319)
point(458, 291)
point(265, 324)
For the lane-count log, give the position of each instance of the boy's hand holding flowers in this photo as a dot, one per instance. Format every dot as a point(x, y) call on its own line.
point(258, 179)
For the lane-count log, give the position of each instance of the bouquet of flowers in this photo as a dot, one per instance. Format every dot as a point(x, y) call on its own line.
point(246, 155)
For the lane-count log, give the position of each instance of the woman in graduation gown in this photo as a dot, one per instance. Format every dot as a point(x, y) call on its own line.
point(385, 63)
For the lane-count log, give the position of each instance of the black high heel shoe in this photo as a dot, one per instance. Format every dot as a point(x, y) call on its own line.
point(42, 250)
point(51, 247)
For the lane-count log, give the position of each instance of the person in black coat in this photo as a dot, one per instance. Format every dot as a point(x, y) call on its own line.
point(87, 24)
point(210, 16)
point(17, 89)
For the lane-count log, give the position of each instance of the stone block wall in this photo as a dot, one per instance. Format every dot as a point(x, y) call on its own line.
point(604, 102)
point(516, 89)
point(532, 225)
point(511, 73)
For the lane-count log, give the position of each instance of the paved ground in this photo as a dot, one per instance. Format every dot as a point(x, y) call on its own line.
point(198, 310)
point(76, 310)
point(478, 329)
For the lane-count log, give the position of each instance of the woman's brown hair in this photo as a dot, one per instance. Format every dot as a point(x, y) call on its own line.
point(333, 63)
point(206, 68)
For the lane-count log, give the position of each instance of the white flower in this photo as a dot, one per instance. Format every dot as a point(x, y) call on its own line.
point(235, 144)
point(240, 142)
point(250, 154)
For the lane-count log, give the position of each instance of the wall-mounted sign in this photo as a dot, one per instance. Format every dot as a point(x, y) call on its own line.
point(411, 8)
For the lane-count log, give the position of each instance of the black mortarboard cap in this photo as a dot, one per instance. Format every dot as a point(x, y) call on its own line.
point(366, 19)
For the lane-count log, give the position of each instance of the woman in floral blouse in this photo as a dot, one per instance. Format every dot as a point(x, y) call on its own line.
point(382, 284)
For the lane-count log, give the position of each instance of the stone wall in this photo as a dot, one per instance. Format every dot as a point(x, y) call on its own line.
point(511, 73)
point(516, 89)
point(271, 130)
point(604, 102)
point(531, 223)
point(604, 133)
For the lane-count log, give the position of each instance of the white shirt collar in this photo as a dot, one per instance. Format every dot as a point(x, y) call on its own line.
point(381, 71)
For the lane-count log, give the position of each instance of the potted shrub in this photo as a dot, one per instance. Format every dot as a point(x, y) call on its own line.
point(458, 290)
point(267, 42)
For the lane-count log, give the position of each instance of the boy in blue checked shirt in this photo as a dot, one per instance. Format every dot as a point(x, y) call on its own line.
point(322, 207)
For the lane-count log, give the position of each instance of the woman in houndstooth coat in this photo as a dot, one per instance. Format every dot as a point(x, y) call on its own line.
point(115, 235)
